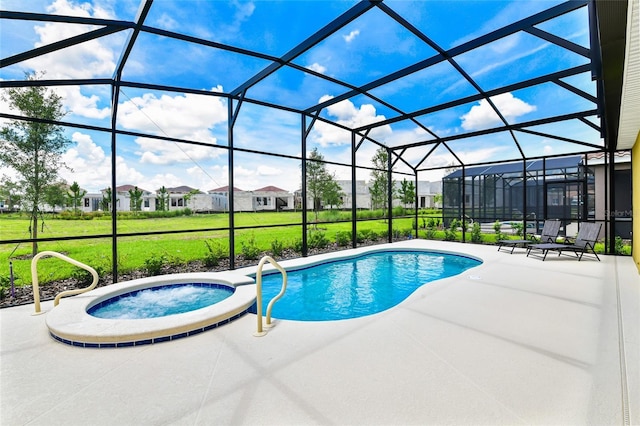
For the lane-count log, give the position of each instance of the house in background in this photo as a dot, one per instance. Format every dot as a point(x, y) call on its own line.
point(182, 197)
point(427, 193)
point(268, 198)
point(220, 198)
point(363, 197)
point(123, 199)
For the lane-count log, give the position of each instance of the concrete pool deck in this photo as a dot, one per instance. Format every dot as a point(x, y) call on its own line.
point(513, 341)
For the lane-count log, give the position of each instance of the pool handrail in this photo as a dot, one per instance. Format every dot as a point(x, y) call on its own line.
point(260, 332)
point(34, 277)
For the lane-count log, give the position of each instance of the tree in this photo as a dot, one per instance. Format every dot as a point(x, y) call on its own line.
point(55, 195)
point(321, 184)
point(9, 193)
point(105, 204)
point(332, 193)
point(437, 200)
point(74, 195)
point(33, 147)
point(163, 199)
point(135, 199)
point(379, 183)
point(187, 197)
point(407, 192)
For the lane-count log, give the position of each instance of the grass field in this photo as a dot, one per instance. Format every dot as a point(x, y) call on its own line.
point(135, 252)
point(205, 232)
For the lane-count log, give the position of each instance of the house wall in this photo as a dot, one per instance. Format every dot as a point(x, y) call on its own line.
point(243, 202)
point(635, 201)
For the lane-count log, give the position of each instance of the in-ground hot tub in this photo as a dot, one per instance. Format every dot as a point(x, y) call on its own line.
point(71, 323)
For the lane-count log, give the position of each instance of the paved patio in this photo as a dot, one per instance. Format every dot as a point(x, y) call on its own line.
point(513, 341)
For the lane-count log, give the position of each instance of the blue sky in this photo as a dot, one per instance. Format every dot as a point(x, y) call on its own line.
point(361, 52)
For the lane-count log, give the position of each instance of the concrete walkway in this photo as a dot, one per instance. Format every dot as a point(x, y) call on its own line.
point(513, 341)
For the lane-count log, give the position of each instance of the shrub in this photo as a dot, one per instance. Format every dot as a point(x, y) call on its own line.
point(154, 264)
point(297, 245)
point(214, 253)
point(277, 247)
point(476, 234)
point(5, 285)
point(450, 234)
point(249, 250)
point(431, 225)
point(619, 245)
point(497, 226)
point(367, 234)
point(518, 227)
point(100, 265)
point(343, 238)
point(82, 276)
point(317, 239)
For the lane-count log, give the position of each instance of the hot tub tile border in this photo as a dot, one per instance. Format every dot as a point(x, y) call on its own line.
point(148, 341)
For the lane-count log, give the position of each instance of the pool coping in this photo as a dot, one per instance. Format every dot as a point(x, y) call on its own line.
point(70, 323)
point(317, 259)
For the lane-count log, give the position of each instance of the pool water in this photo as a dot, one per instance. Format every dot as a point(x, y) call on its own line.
point(161, 301)
point(358, 286)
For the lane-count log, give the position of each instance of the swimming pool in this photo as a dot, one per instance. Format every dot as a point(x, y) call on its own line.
point(360, 285)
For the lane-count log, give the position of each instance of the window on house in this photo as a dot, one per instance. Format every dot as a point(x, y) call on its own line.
point(86, 202)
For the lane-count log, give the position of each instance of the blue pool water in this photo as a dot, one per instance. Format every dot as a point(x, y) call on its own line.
point(161, 301)
point(358, 286)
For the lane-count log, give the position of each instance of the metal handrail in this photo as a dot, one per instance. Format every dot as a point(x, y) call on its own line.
point(260, 332)
point(34, 277)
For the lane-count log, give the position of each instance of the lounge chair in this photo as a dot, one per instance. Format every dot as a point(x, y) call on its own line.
point(550, 232)
point(584, 243)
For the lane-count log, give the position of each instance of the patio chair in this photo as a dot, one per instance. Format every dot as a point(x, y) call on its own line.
point(585, 242)
point(550, 232)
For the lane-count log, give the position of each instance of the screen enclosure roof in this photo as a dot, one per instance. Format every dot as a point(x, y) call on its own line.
point(438, 83)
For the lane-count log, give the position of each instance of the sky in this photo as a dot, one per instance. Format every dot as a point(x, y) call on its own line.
point(361, 52)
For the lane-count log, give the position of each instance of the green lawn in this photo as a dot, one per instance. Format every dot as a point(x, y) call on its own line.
point(135, 251)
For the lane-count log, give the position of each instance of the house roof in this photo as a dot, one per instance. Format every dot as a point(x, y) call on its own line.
point(271, 188)
point(225, 189)
point(126, 188)
point(181, 189)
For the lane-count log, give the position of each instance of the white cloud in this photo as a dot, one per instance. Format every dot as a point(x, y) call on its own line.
point(547, 150)
point(510, 58)
point(317, 68)
point(351, 36)
point(159, 180)
point(162, 153)
point(94, 58)
point(268, 171)
point(348, 115)
point(244, 10)
point(182, 116)
point(86, 9)
point(85, 106)
point(482, 115)
point(167, 22)
point(91, 167)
